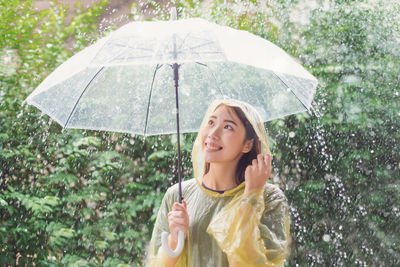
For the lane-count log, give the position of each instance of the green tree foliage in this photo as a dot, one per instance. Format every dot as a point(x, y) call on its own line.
point(68, 197)
point(342, 170)
point(86, 198)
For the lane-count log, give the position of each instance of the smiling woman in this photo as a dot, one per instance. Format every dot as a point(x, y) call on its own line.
point(230, 216)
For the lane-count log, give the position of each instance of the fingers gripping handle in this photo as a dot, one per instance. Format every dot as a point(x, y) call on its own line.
point(167, 249)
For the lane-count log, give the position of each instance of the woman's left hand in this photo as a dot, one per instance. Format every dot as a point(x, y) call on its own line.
point(258, 173)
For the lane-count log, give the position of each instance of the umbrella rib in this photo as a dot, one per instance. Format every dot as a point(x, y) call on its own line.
point(116, 56)
point(84, 90)
point(207, 43)
point(130, 58)
point(291, 91)
point(201, 45)
point(183, 41)
point(202, 64)
point(215, 78)
point(193, 48)
point(148, 102)
point(129, 46)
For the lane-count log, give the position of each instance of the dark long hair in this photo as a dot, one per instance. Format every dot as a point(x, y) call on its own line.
point(248, 157)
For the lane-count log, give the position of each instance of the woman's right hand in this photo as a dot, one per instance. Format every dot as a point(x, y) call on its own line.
point(257, 173)
point(178, 219)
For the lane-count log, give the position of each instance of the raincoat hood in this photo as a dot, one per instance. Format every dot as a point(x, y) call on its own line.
point(198, 156)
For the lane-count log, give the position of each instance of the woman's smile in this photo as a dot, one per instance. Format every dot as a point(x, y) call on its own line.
point(212, 147)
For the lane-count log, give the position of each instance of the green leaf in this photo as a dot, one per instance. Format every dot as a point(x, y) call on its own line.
point(134, 185)
point(160, 154)
point(101, 244)
point(87, 141)
point(64, 178)
point(110, 236)
point(3, 202)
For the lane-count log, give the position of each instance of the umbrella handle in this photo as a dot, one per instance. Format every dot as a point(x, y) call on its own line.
point(167, 249)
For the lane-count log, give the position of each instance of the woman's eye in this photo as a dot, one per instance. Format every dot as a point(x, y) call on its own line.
point(228, 127)
point(210, 122)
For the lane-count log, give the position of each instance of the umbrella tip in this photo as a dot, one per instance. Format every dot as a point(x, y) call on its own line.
point(173, 13)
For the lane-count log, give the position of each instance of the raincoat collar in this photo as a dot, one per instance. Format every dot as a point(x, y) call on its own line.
point(227, 193)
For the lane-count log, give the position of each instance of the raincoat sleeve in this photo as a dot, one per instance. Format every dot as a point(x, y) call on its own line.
point(155, 255)
point(254, 231)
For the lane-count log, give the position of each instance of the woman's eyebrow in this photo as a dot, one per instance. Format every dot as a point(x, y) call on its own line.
point(231, 121)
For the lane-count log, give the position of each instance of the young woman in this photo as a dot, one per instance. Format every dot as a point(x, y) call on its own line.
point(230, 215)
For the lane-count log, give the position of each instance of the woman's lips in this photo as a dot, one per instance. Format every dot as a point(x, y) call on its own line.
point(212, 147)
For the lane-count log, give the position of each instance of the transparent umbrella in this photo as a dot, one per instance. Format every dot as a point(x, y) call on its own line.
point(128, 80)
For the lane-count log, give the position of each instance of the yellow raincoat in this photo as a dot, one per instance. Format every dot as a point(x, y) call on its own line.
point(226, 229)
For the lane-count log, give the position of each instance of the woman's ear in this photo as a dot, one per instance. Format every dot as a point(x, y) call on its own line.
point(248, 146)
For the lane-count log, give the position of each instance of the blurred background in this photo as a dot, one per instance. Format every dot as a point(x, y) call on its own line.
point(88, 198)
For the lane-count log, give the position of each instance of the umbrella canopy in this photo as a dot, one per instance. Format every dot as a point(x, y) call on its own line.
point(124, 81)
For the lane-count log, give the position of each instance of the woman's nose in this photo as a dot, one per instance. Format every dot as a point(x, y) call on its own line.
point(214, 132)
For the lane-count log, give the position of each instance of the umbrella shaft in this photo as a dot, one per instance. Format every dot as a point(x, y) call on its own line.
point(175, 67)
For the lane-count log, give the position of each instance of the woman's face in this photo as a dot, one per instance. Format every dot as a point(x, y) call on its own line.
point(223, 137)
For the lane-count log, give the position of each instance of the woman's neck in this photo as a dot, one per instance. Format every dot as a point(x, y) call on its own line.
point(221, 176)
